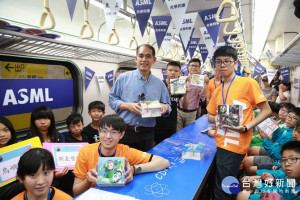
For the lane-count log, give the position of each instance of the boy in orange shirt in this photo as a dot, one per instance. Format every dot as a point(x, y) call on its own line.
point(233, 141)
point(111, 130)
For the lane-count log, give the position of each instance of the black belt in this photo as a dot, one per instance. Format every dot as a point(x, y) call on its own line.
point(138, 128)
point(187, 111)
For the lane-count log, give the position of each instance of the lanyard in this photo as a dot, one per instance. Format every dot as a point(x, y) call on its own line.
point(49, 195)
point(100, 153)
point(224, 100)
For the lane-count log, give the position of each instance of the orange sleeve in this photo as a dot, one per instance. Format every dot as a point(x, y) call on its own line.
point(87, 159)
point(134, 156)
point(80, 169)
point(257, 94)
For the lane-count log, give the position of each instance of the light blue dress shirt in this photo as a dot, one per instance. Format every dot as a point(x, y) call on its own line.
point(128, 88)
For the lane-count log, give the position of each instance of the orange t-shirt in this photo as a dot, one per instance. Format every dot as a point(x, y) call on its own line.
point(243, 91)
point(88, 157)
point(211, 86)
point(58, 195)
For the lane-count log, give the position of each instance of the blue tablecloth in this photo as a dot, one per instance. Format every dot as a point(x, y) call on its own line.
point(184, 177)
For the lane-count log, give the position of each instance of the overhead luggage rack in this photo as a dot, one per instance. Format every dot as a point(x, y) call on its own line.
point(290, 55)
point(11, 41)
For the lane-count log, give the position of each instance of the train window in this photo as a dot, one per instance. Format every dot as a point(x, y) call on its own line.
point(27, 82)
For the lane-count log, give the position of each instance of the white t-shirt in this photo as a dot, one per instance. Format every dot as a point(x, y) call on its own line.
point(287, 94)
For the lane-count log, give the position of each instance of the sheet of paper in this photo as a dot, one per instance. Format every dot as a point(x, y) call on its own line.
point(96, 194)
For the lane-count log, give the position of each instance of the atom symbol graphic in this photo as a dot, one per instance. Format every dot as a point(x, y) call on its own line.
point(157, 190)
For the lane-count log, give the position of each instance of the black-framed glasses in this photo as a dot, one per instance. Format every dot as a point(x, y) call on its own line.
point(113, 133)
point(289, 160)
point(142, 97)
point(226, 62)
point(291, 118)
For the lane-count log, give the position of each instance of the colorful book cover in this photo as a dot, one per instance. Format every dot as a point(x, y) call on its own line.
point(150, 109)
point(177, 86)
point(64, 154)
point(268, 126)
point(10, 156)
point(197, 80)
point(111, 171)
point(230, 115)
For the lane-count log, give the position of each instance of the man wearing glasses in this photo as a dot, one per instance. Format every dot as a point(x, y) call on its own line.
point(132, 87)
point(111, 130)
point(188, 116)
point(233, 141)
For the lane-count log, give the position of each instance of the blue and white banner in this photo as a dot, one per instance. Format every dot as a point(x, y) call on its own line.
point(88, 76)
point(271, 73)
point(110, 77)
point(177, 10)
point(19, 96)
point(211, 47)
point(167, 40)
point(100, 80)
point(188, 42)
point(285, 73)
point(203, 52)
point(184, 69)
point(209, 19)
point(187, 29)
point(164, 74)
point(161, 25)
point(71, 7)
point(193, 46)
point(111, 10)
point(258, 69)
point(143, 10)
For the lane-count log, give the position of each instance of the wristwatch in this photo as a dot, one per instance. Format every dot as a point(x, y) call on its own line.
point(246, 129)
point(138, 169)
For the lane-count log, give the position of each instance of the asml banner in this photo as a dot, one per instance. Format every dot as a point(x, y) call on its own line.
point(19, 96)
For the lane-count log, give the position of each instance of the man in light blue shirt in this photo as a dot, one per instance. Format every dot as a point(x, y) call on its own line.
point(132, 87)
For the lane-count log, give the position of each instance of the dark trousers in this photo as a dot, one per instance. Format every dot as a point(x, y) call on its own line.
point(139, 140)
point(227, 164)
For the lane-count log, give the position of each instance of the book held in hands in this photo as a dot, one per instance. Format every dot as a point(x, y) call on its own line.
point(230, 115)
point(177, 86)
point(111, 171)
point(197, 80)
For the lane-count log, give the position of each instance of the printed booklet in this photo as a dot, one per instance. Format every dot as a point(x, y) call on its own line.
point(177, 86)
point(268, 126)
point(230, 115)
point(197, 80)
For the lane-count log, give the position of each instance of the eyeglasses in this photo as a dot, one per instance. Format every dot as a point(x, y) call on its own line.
point(113, 133)
point(291, 118)
point(226, 62)
point(142, 97)
point(194, 66)
point(289, 160)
